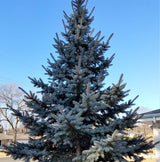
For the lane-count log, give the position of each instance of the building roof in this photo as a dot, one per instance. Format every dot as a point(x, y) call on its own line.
point(152, 112)
point(151, 116)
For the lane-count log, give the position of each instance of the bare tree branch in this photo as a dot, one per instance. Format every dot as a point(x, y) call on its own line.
point(11, 97)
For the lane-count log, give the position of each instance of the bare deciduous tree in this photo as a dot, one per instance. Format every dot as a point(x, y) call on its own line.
point(11, 96)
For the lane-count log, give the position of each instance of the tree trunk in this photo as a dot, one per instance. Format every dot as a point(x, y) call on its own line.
point(14, 136)
point(15, 131)
point(78, 149)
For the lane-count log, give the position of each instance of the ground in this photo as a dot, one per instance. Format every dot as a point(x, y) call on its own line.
point(142, 129)
point(9, 160)
point(4, 158)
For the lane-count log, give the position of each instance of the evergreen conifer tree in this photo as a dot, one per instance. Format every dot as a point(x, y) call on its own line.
point(77, 118)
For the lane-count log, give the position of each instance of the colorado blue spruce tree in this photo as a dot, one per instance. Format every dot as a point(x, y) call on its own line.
point(78, 118)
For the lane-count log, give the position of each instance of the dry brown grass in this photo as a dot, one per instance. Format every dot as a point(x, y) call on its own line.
point(3, 155)
point(147, 160)
point(150, 160)
point(147, 132)
point(143, 130)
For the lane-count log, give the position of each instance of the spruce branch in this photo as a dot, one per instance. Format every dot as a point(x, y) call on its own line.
point(53, 58)
point(66, 16)
point(49, 72)
point(101, 39)
point(97, 35)
point(111, 58)
point(24, 90)
point(120, 80)
point(57, 37)
point(91, 32)
point(92, 51)
point(91, 12)
point(78, 32)
point(83, 13)
point(114, 134)
point(99, 78)
point(79, 63)
point(64, 26)
point(72, 4)
point(88, 89)
point(81, 19)
point(62, 112)
point(108, 40)
point(134, 99)
point(88, 95)
point(86, 4)
point(135, 111)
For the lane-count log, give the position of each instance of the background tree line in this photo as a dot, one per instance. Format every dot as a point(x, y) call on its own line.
point(11, 97)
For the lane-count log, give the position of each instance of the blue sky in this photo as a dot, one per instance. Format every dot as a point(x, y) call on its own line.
point(27, 28)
